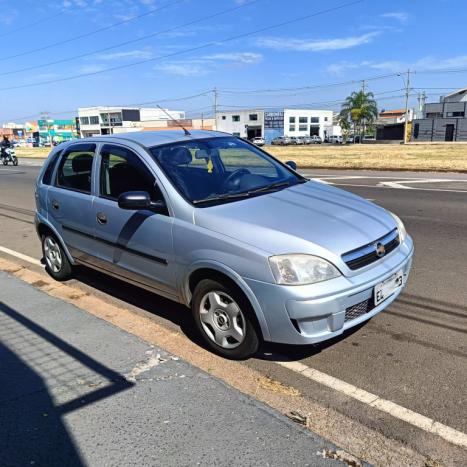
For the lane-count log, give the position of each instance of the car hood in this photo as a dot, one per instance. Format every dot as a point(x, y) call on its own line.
point(309, 218)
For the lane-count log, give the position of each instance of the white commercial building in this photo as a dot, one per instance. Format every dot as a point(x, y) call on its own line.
point(109, 120)
point(243, 123)
point(249, 123)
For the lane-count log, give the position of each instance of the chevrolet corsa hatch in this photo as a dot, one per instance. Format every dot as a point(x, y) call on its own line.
point(258, 252)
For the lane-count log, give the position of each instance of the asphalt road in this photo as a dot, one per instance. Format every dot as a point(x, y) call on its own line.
point(413, 354)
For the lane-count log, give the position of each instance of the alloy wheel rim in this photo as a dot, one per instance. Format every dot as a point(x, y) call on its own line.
point(53, 256)
point(222, 320)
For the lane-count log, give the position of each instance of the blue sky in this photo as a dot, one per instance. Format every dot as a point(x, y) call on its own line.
point(364, 40)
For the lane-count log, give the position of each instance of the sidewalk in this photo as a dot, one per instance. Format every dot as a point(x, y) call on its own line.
point(75, 390)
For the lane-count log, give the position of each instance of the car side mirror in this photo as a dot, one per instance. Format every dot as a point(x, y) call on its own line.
point(138, 200)
point(292, 165)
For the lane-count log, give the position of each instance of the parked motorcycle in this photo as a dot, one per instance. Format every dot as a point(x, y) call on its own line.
point(9, 155)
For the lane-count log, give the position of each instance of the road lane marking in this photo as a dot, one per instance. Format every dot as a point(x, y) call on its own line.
point(400, 188)
point(397, 411)
point(19, 255)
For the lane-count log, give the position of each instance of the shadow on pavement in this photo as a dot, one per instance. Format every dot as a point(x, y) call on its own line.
point(39, 384)
point(181, 316)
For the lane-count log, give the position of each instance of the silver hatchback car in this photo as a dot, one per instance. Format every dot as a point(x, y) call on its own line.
point(257, 251)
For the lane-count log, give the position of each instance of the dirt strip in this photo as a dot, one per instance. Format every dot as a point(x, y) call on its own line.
point(353, 437)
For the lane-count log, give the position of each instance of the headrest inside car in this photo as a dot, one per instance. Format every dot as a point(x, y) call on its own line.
point(82, 163)
point(180, 156)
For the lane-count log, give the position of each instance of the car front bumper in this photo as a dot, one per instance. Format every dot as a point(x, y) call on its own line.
point(313, 313)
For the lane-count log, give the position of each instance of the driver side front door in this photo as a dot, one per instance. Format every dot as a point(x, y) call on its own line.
point(134, 245)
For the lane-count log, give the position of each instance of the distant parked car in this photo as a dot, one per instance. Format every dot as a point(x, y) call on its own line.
point(336, 139)
point(258, 141)
point(281, 141)
point(295, 140)
point(315, 139)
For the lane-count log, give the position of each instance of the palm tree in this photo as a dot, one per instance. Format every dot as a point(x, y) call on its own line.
point(361, 109)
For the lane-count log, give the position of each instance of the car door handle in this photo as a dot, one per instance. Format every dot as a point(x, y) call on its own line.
point(55, 204)
point(101, 218)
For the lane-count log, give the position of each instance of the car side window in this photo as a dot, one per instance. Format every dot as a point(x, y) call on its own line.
point(121, 171)
point(75, 169)
point(47, 177)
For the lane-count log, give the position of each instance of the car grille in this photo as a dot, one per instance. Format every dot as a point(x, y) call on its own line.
point(366, 254)
point(359, 309)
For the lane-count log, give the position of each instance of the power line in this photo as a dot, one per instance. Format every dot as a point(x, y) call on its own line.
point(317, 86)
point(31, 25)
point(95, 31)
point(192, 49)
point(131, 41)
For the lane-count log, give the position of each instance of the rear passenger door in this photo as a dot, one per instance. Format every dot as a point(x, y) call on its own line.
point(134, 244)
point(69, 200)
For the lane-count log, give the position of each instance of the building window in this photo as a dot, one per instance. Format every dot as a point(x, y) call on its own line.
point(223, 117)
point(291, 127)
point(302, 119)
point(302, 127)
point(236, 134)
point(314, 119)
point(291, 119)
point(325, 119)
point(416, 129)
point(434, 115)
point(253, 117)
point(235, 118)
point(84, 120)
point(94, 120)
point(454, 114)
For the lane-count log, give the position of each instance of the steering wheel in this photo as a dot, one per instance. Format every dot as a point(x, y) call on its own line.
point(233, 180)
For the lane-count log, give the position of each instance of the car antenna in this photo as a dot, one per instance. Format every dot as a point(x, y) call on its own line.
point(187, 133)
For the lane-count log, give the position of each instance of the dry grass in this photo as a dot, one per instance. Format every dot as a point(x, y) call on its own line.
point(41, 153)
point(439, 157)
point(436, 157)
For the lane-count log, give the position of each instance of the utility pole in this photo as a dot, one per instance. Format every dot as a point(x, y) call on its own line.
point(214, 109)
point(407, 92)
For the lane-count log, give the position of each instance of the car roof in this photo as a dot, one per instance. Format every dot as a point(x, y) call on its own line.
point(155, 138)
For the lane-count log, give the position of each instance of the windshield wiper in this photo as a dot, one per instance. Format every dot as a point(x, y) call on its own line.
point(272, 186)
point(243, 194)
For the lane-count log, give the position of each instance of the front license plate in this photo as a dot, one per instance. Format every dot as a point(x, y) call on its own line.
point(386, 288)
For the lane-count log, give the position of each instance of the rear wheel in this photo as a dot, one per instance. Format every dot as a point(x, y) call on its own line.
point(224, 318)
point(5, 162)
point(56, 261)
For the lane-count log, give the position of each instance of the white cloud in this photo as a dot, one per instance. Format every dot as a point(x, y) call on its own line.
point(427, 63)
point(315, 45)
point(131, 54)
point(209, 63)
point(183, 69)
point(94, 68)
point(240, 57)
point(400, 16)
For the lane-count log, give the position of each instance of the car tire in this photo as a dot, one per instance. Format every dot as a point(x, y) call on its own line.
point(56, 261)
point(225, 319)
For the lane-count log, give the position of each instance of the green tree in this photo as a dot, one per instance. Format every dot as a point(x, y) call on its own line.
point(359, 109)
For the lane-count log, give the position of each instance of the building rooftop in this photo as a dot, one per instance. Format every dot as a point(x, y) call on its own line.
point(391, 112)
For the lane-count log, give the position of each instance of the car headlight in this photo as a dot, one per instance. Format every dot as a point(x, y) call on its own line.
point(400, 227)
point(300, 269)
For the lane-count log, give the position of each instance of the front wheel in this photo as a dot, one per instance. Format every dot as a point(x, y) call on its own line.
point(56, 261)
point(225, 319)
point(15, 161)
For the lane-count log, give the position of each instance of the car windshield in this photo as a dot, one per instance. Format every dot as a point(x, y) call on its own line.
point(214, 170)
